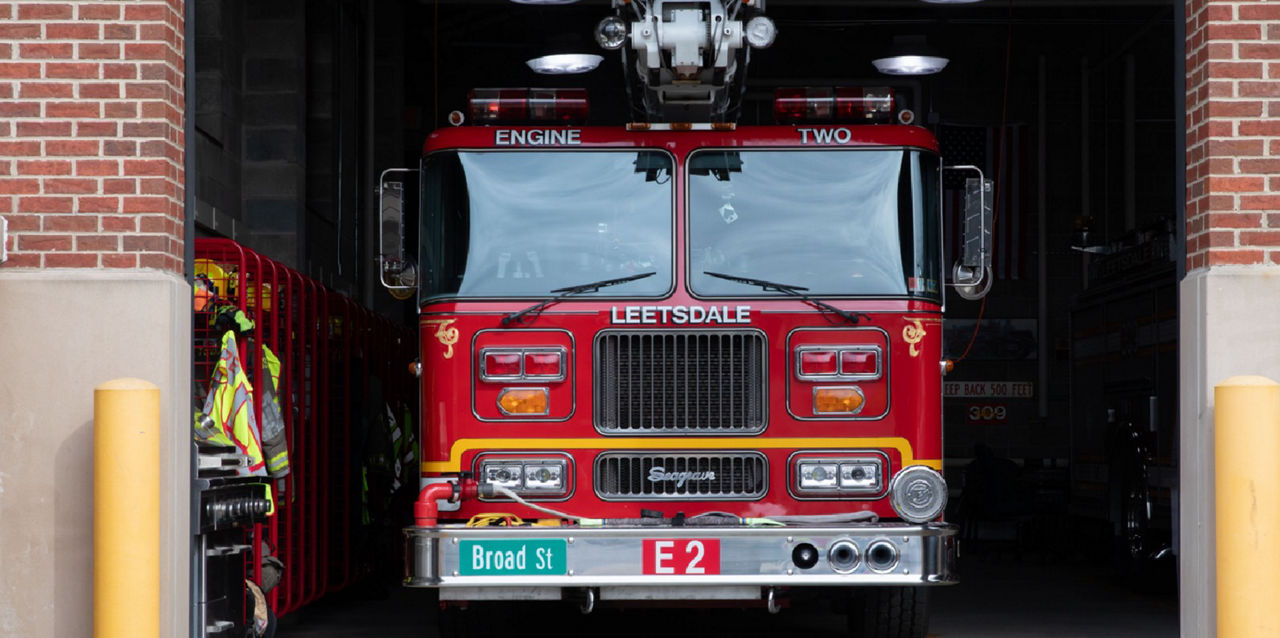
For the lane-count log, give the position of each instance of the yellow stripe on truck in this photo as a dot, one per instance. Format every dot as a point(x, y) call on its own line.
point(462, 446)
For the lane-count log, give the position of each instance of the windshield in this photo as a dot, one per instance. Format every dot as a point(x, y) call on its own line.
point(838, 222)
point(522, 224)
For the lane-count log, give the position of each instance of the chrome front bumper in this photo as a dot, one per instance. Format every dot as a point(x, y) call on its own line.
point(613, 557)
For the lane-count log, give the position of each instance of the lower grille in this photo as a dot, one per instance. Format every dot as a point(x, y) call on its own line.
point(632, 476)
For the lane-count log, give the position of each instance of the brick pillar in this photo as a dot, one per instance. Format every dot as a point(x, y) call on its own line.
point(91, 137)
point(1230, 297)
point(91, 185)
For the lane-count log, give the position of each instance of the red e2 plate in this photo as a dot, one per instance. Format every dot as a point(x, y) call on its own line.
point(680, 556)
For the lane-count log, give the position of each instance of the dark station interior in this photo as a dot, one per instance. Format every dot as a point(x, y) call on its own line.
point(1064, 405)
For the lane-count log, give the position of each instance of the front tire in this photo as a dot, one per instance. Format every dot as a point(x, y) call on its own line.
point(889, 612)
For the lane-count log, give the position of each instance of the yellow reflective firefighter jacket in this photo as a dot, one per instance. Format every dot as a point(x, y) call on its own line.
point(230, 405)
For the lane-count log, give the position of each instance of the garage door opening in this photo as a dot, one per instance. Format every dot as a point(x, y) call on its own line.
point(540, 260)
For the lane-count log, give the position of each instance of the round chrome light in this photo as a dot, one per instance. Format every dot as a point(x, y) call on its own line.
point(565, 63)
point(918, 494)
point(611, 33)
point(843, 556)
point(882, 557)
point(761, 32)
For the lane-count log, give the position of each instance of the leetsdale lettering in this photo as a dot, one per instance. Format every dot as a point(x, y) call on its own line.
point(681, 315)
point(537, 137)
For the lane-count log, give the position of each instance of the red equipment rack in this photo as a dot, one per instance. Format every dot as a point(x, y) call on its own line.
point(326, 344)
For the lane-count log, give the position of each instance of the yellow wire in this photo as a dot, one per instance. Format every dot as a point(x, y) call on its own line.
point(488, 519)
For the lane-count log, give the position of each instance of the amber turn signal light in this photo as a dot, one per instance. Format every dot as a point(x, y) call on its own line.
point(842, 400)
point(523, 401)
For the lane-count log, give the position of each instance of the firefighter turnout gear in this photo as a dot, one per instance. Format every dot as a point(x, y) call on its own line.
point(230, 406)
point(274, 444)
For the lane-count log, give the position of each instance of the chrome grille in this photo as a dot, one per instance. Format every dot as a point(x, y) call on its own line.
point(662, 382)
point(625, 476)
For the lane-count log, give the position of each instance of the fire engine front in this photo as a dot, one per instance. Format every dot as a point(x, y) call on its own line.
point(720, 357)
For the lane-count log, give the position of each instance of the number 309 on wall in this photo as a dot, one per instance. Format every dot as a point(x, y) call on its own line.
point(986, 413)
point(680, 556)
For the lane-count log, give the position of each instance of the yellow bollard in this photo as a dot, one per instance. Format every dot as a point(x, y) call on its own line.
point(126, 509)
point(1247, 489)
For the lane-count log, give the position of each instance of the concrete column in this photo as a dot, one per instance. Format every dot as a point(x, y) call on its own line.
point(1231, 292)
point(91, 184)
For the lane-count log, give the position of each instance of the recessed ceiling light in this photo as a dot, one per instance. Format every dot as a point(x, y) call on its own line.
point(564, 63)
point(910, 55)
point(910, 64)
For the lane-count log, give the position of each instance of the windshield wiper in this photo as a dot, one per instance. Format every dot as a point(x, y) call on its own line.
point(794, 291)
point(579, 289)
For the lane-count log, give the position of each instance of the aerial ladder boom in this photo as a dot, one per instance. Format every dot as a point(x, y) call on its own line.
point(686, 60)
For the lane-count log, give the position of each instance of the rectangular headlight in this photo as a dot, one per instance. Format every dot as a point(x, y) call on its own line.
point(533, 477)
point(502, 474)
point(860, 476)
point(544, 476)
point(837, 475)
point(818, 475)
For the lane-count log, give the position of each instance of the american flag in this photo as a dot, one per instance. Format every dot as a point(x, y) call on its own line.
point(977, 145)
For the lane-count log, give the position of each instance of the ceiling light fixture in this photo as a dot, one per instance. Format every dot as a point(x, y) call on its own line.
point(910, 55)
point(565, 63)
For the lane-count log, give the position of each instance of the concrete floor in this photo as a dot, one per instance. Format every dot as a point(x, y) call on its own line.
point(996, 599)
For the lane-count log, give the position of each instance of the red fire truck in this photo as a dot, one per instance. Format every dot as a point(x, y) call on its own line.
point(679, 361)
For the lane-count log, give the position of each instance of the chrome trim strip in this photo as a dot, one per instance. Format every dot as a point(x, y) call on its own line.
point(610, 556)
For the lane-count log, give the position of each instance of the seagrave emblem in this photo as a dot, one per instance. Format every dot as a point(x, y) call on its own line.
point(445, 333)
point(913, 334)
point(659, 474)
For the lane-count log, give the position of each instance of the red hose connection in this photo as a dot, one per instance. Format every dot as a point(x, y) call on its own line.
point(426, 510)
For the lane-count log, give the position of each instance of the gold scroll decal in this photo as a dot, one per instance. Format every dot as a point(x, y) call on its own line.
point(445, 334)
point(913, 334)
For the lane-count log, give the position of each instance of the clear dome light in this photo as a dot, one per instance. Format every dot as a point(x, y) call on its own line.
point(910, 64)
point(565, 63)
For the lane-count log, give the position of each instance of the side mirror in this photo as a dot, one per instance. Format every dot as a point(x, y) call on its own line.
point(971, 275)
point(399, 275)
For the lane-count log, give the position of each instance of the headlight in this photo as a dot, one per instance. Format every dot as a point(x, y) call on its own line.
point(611, 33)
point(918, 494)
point(533, 477)
point(502, 474)
point(818, 475)
point(839, 476)
point(544, 476)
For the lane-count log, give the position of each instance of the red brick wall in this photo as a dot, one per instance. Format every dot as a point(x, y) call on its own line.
point(91, 137)
point(1233, 133)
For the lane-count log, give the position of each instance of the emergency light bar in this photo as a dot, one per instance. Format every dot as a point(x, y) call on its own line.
point(522, 106)
point(871, 104)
